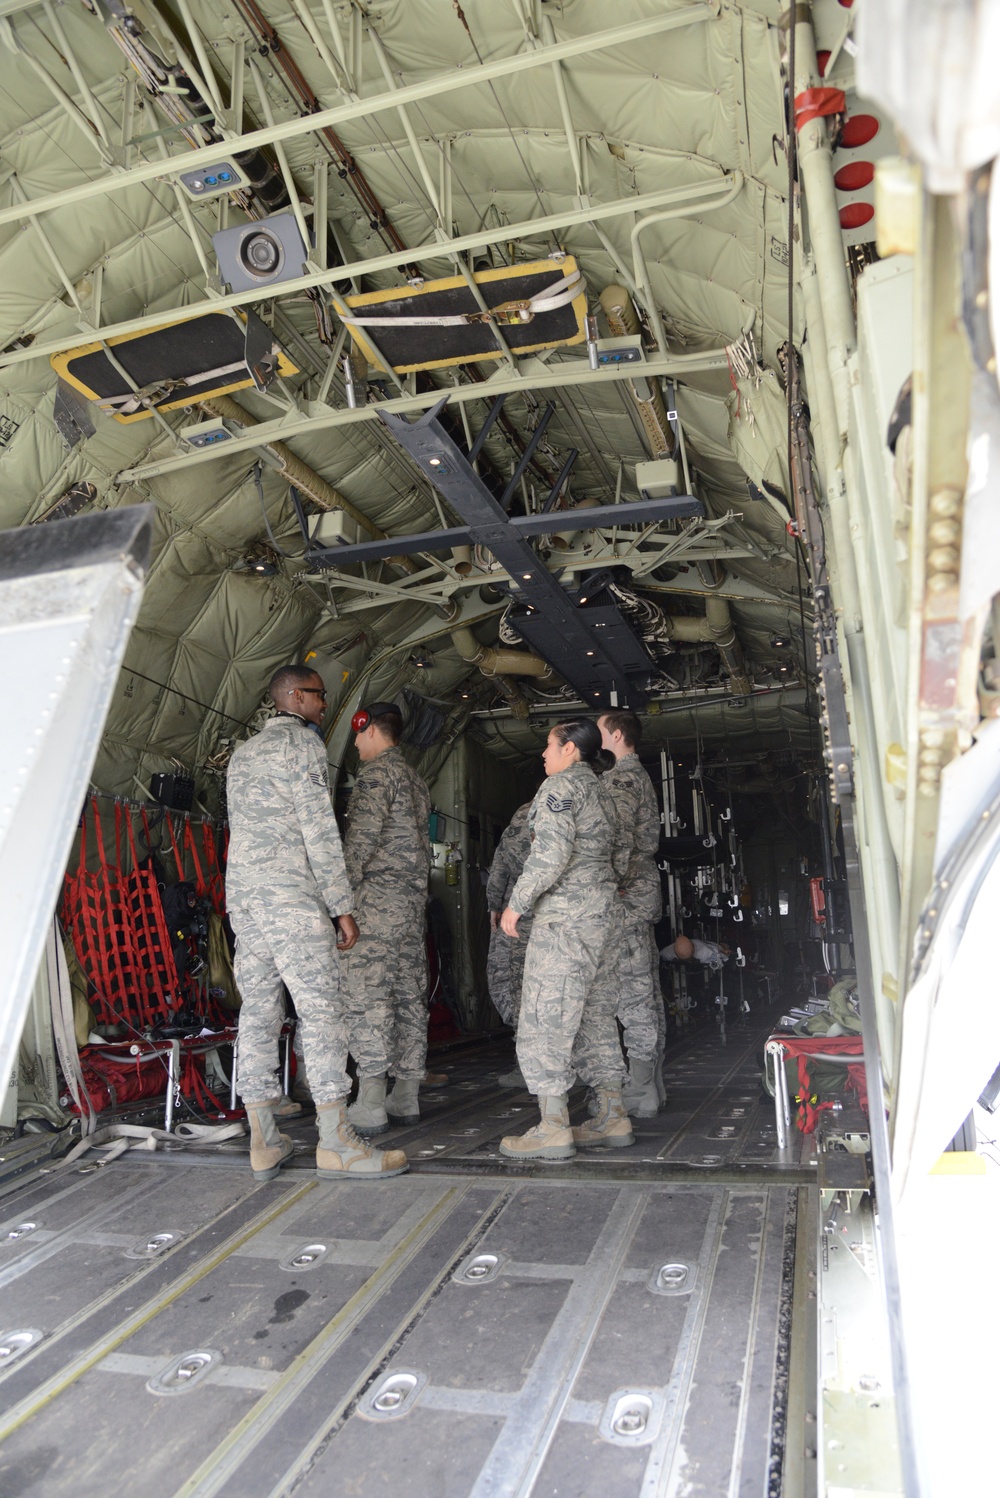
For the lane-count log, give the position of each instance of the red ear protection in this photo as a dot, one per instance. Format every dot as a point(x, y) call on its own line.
point(360, 721)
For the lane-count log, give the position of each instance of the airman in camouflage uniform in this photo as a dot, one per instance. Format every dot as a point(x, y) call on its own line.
point(286, 883)
point(388, 854)
point(570, 884)
point(639, 1001)
point(505, 963)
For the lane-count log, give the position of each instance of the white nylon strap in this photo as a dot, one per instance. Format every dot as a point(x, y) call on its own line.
point(547, 300)
point(115, 1139)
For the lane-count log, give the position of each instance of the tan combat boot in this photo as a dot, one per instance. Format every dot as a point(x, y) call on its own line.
point(435, 1079)
point(341, 1153)
point(367, 1114)
point(552, 1139)
point(640, 1096)
point(402, 1104)
point(268, 1149)
point(610, 1127)
point(286, 1107)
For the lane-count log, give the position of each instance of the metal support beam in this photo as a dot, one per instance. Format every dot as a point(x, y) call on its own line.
point(89, 129)
point(597, 664)
point(428, 88)
point(815, 159)
point(527, 455)
point(541, 377)
point(55, 27)
point(486, 428)
point(526, 229)
point(661, 215)
point(561, 478)
point(598, 518)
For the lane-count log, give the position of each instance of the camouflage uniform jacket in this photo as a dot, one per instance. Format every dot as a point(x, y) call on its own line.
point(283, 833)
point(638, 818)
point(387, 845)
point(569, 872)
point(509, 859)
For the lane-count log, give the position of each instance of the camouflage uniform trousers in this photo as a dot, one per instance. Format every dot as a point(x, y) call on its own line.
point(505, 970)
point(385, 980)
point(639, 1003)
point(567, 1022)
point(289, 942)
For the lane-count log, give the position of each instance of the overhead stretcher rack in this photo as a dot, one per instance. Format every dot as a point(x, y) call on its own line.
point(174, 365)
point(541, 305)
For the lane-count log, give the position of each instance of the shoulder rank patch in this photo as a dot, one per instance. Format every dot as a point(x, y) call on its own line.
point(558, 803)
point(320, 777)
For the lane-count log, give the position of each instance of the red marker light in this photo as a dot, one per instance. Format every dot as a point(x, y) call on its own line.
point(360, 721)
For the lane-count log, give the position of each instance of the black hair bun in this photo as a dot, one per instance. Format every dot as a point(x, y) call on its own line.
point(585, 734)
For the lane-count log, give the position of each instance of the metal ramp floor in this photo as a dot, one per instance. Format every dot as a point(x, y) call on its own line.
point(610, 1326)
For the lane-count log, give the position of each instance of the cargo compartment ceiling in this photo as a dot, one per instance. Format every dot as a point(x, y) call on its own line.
point(96, 96)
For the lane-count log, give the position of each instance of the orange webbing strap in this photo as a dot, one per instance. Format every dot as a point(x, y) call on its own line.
point(110, 953)
point(809, 1105)
point(178, 860)
point(192, 847)
point(216, 882)
point(91, 917)
point(195, 1086)
point(157, 986)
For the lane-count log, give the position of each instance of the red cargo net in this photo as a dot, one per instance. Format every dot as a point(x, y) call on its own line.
point(115, 922)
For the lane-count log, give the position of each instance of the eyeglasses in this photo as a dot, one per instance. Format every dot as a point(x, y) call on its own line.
point(316, 691)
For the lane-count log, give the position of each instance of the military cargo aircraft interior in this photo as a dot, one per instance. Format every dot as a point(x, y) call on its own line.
point(499, 576)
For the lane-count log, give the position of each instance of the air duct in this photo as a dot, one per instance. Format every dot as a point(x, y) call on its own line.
point(723, 634)
point(716, 628)
point(495, 663)
point(501, 666)
point(562, 539)
point(622, 320)
point(306, 480)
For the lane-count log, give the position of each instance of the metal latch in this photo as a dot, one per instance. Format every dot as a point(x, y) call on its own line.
point(672, 1279)
point(506, 312)
point(150, 1248)
point(185, 1372)
point(13, 1344)
point(478, 1269)
point(632, 1417)
point(304, 1258)
point(393, 1396)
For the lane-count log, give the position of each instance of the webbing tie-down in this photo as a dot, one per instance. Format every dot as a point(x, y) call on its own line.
point(559, 294)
